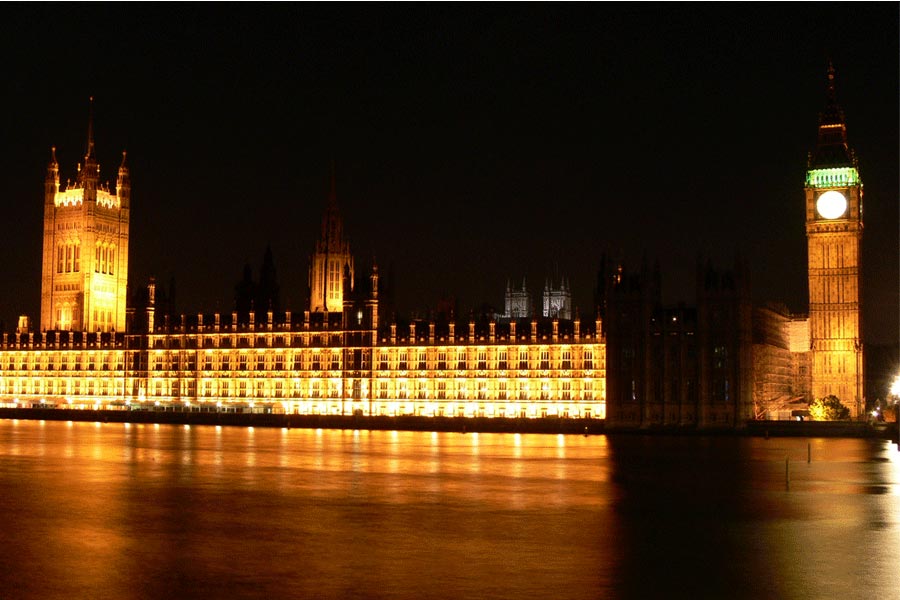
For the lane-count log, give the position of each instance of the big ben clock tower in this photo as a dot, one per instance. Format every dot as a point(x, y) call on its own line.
point(834, 225)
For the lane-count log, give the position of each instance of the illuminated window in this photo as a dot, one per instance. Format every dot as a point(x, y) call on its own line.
point(77, 251)
point(60, 264)
point(482, 359)
point(523, 358)
point(566, 359)
point(335, 361)
point(242, 362)
point(442, 360)
point(588, 359)
point(566, 390)
point(461, 359)
point(421, 361)
point(334, 280)
point(68, 259)
point(442, 389)
point(502, 359)
point(545, 359)
point(501, 390)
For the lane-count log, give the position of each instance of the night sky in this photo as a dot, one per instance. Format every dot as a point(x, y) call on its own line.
point(471, 143)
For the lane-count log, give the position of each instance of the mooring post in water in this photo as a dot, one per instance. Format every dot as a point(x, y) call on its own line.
point(787, 473)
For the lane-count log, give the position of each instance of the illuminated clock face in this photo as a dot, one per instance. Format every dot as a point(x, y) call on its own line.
point(831, 205)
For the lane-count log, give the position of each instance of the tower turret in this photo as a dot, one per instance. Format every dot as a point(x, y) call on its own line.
point(123, 184)
point(51, 181)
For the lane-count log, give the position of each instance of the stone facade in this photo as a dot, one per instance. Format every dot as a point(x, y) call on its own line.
point(834, 225)
point(84, 275)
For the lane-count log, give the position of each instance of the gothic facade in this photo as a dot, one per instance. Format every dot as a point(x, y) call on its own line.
point(517, 302)
point(336, 357)
point(84, 275)
point(638, 363)
point(834, 226)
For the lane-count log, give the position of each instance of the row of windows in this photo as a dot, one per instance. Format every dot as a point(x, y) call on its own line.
point(68, 258)
point(442, 360)
point(64, 362)
point(483, 358)
point(315, 389)
point(105, 259)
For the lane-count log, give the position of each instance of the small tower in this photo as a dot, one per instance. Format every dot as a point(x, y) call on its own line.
point(517, 302)
point(557, 301)
point(330, 260)
point(85, 259)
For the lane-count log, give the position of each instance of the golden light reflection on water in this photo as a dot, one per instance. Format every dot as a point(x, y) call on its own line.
point(315, 513)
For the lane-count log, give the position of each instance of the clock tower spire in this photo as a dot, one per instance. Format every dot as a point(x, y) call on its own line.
point(834, 225)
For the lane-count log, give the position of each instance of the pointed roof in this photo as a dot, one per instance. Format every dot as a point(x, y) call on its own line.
point(89, 151)
point(332, 192)
point(831, 145)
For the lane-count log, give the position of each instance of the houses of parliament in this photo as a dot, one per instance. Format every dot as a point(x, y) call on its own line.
point(635, 362)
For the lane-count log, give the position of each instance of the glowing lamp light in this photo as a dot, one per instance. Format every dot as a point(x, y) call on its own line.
point(831, 205)
point(895, 387)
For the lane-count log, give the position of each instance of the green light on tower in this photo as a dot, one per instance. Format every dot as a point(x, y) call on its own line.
point(829, 178)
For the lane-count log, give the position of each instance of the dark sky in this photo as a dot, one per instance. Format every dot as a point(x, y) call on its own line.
point(471, 143)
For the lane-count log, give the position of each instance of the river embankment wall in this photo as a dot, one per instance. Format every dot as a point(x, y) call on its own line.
point(457, 424)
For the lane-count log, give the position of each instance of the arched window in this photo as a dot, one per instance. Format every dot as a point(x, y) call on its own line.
point(97, 259)
point(68, 258)
point(112, 260)
point(59, 260)
point(77, 251)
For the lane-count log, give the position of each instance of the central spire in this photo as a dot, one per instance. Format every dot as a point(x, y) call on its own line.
point(332, 193)
point(831, 145)
point(89, 151)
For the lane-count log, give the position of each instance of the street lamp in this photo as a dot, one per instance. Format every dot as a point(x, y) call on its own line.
point(895, 388)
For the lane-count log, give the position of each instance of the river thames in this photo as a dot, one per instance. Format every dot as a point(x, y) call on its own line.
point(162, 511)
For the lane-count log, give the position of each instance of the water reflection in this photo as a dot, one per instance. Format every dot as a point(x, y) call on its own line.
point(229, 512)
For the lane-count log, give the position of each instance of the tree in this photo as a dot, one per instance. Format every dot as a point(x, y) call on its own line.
point(829, 408)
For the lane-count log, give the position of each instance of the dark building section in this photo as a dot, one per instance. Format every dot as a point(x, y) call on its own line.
point(678, 366)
